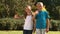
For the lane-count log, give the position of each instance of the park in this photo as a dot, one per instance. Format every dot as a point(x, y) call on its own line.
point(12, 12)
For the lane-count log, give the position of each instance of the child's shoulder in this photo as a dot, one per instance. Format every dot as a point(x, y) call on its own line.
point(45, 11)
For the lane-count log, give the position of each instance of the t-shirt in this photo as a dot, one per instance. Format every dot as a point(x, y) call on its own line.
point(28, 24)
point(41, 19)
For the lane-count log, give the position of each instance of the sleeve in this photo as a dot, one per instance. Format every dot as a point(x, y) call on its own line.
point(47, 15)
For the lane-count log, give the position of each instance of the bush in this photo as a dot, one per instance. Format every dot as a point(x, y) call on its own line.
point(17, 24)
point(55, 25)
point(11, 24)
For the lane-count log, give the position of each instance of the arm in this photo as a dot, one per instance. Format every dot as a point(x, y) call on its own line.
point(34, 23)
point(48, 23)
point(34, 20)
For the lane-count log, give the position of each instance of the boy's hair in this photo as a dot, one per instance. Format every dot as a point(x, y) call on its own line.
point(41, 3)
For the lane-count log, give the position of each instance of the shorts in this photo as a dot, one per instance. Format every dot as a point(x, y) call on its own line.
point(27, 31)
point(40, 31)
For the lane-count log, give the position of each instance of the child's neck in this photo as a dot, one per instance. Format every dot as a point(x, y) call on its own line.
point(28, 13)
point(39, 10)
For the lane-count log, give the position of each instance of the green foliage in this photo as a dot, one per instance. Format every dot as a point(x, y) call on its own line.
point(55, 25)
point(11, 24)
point(9, 7)
point(51, 7)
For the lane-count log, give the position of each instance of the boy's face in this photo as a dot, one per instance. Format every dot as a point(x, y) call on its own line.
point(39, 7)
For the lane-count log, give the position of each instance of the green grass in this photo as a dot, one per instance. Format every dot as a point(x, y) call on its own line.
point(20, 32)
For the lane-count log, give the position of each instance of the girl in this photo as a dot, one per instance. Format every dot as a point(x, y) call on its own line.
point(28, 24)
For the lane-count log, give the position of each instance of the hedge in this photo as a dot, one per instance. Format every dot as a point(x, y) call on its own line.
point(55, 25)
point(11, 24)
point(17, 24)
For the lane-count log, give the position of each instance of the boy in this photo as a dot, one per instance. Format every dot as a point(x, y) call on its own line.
point(42, 19)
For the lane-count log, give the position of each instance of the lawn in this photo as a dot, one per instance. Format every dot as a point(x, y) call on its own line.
point(20, 32)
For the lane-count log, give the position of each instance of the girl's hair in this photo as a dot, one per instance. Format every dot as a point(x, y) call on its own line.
point(28, 6)
point(25, 14)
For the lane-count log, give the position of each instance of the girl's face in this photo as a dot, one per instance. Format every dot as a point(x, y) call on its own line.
point(28, 9)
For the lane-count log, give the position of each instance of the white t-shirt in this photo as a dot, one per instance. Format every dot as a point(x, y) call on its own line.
point(28, 25)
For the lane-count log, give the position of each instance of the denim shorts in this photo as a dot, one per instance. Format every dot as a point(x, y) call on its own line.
point(27, 31)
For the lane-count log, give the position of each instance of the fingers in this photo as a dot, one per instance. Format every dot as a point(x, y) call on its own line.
point(47, 30)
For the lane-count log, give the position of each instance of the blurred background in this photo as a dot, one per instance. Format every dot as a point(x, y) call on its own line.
point(11, 13)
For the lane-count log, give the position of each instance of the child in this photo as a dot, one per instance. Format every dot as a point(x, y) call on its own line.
point(28, 24)
point(42, 19)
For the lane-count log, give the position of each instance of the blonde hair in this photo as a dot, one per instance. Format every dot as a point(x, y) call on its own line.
point(28, 6)
point(40, 3)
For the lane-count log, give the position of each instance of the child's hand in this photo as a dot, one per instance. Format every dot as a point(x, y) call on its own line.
point(47, 29)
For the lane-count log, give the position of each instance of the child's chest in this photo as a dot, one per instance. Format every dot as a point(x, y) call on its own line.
point(41, 14)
